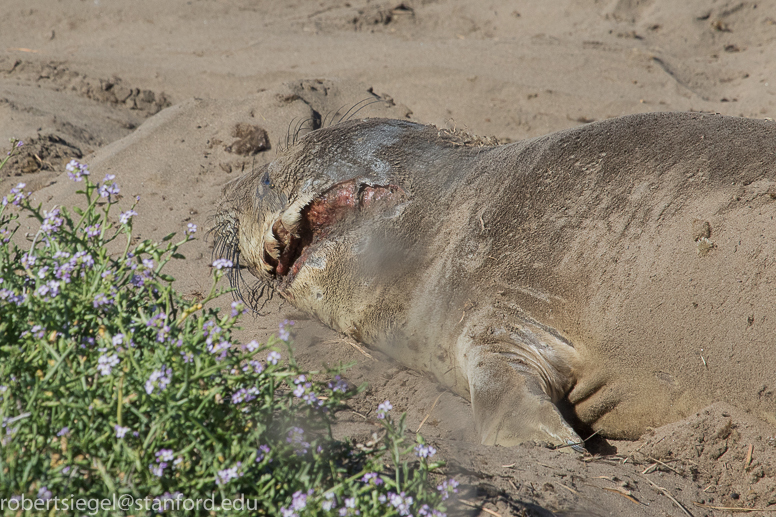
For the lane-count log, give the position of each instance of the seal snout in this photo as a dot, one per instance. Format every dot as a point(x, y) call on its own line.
point(291, 238)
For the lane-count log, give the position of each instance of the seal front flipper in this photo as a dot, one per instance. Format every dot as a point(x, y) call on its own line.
point(515, 381)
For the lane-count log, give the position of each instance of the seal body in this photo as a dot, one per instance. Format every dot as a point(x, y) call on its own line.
point(618, 276)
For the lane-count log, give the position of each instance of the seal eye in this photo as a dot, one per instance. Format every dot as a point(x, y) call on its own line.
point(266, 181)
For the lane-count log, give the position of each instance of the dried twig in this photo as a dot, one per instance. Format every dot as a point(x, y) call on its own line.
point(429, 413)
point(672, 498)
point(748, 460)
point(354, 345)
point(625, 493)
point(665, 465)
point(734, 509)
point(569, 489)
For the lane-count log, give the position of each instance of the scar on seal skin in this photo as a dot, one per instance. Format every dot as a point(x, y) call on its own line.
point(560, 270)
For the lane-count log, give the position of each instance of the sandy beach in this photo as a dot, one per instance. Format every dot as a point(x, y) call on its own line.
point(156, 93)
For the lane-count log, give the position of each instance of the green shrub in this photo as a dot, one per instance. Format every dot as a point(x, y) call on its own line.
point(119, 396)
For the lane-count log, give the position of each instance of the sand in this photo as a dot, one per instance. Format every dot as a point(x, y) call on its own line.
point(159, 94)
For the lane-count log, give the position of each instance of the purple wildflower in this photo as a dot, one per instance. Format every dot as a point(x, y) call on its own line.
point(106, 363)
point(226, 475)
point(163, 455)
point(159, 378)
point(328, 504)
point(28, 260)
point(262, 452)
point(448, 487)
point(126, 216)
point(401, 502)
point(284, 332)
point(238, 308)
point(100, 299)
point(273, 358)
point(76, 170)
point(92, 231)
point(244, 395)
point(44, 494)
point(120, 431)
point(338, 385)
point(108, 187)
point(383, 409)
point(424, 451)
point(16, 196)
point(222, 264)
point(52, 221)
point(373, 478)
point(296, 439)
point(157, 470)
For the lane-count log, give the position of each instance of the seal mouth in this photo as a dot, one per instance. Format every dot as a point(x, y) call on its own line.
point(294, 235)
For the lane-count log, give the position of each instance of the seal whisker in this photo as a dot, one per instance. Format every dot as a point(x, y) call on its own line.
point(314, 122)
point(333, 114)
point(288, 133)
point(356, 105)
point(364, 106)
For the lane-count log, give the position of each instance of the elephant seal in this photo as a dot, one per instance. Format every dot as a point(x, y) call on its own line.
point(619, 275)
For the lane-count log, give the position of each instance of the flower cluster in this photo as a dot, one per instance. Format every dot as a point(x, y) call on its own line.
point(159, 379)
point(108, 187)
point(216, 341)
point(11, 297)
point(447, 488)
point(372, 478)
point(338, 385)
point(297, 441)
point(134, 330)
point(106, 363)
point(222, 263)
point(100, 299)
point(401, 502)
point(273, 358)
point(226, 475)
point(383, 409)
point(15, 197)
point(298, 503)
point(244, 395)
point(285, 333)
point(238, 308)
point(424, 451)
point(328, 503)
point(163, 457)
point(52, 221)
point(159, 322)
point(126, 217)
point(76, 170)
point(262, 453)
point(305, 392)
